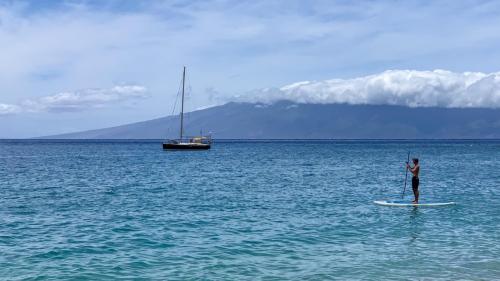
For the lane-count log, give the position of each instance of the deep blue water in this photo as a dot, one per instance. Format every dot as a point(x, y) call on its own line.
point(247, 211)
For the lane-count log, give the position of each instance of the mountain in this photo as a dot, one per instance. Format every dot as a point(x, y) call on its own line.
point(287, 120)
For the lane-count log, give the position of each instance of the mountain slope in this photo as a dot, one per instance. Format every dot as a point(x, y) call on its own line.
point(286, 120)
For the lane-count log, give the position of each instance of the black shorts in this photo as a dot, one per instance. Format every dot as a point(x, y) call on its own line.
point(414, 183)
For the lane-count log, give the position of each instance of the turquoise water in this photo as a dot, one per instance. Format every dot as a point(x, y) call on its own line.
point(247, 211)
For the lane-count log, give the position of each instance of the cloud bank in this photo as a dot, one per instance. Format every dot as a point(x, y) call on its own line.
point(77, 100)
point(438, 88)
point(6, 109)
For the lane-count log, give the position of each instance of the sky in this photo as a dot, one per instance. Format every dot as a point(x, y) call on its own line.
point(67, 66)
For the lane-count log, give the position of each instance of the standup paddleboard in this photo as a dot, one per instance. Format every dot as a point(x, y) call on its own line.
point(396, 203)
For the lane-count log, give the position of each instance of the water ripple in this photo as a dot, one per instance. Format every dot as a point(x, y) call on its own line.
point(246, 211)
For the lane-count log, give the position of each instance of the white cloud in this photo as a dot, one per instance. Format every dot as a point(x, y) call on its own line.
point(86, 99)
point(78, 100)
point(438, 88)
point(6, 109)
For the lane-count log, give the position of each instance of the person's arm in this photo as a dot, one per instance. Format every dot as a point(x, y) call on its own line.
point(412, 170)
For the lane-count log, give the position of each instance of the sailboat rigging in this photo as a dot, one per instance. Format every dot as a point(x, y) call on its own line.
point(184, 142)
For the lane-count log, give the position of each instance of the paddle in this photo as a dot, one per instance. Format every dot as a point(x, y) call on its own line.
point(406, 176)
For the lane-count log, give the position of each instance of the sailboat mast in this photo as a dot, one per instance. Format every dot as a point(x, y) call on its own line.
point(182, 104)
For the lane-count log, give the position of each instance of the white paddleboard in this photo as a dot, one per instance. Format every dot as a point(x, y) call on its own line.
point(400, 203)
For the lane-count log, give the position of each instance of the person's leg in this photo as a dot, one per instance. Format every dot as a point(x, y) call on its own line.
point(414, 187)
point(417, 193)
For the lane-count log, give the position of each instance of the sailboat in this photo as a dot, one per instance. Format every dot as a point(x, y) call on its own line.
point(184, 142)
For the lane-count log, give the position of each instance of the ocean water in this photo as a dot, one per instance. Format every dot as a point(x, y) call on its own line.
point(104, 210)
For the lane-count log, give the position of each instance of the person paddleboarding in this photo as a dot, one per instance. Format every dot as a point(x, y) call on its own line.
point(415, 170)
point(414, 180)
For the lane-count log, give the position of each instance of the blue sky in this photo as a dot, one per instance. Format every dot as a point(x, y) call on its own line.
point(74, 65)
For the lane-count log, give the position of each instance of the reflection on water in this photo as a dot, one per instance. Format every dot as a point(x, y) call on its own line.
point(416, 218)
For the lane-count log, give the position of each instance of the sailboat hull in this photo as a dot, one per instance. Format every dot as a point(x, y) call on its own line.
point(186, 146)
